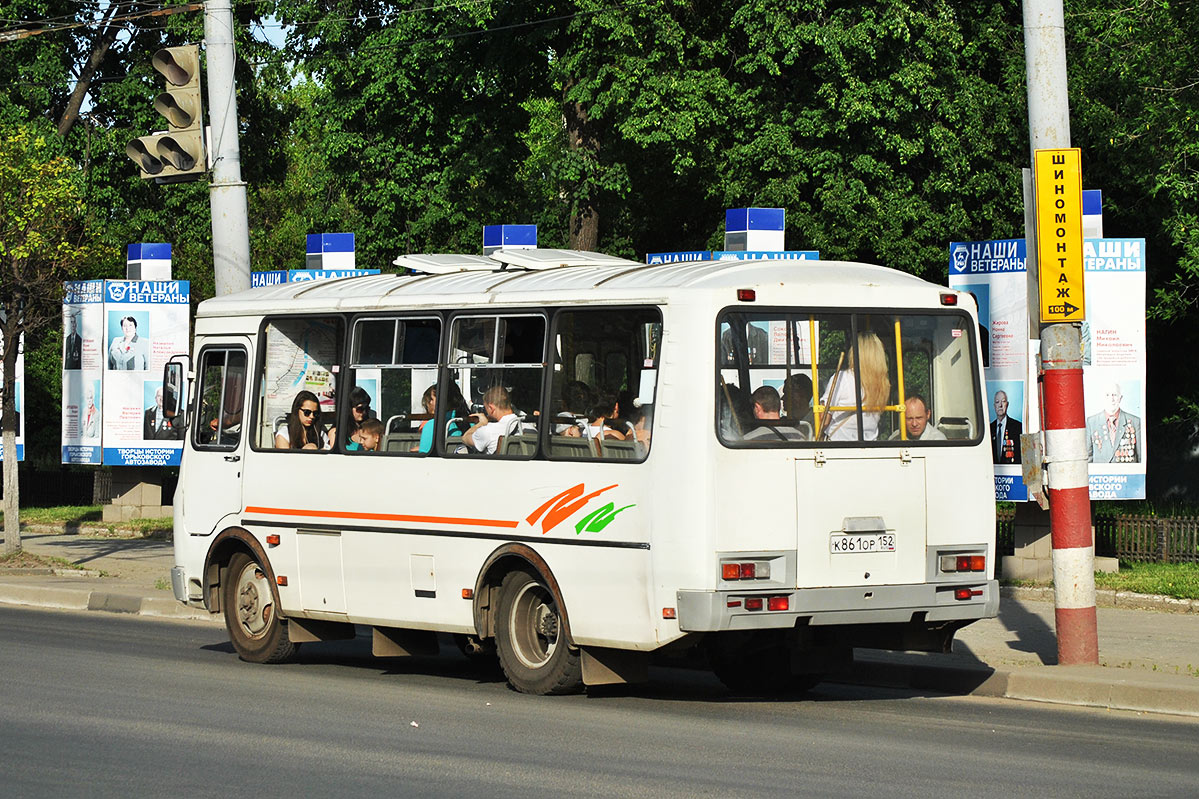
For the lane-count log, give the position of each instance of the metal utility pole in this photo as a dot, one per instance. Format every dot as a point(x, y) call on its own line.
point(1065, 421)
point(227, 192)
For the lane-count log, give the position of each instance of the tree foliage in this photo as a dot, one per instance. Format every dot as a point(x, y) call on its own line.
point(41, 243)
point(885, 128)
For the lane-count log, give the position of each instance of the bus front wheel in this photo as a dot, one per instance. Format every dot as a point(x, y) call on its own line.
point(535, 651)
point(252, 615)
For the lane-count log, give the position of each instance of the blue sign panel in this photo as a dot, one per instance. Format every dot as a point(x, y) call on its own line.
point(306, 275)
point(509, 235)
point(271, 278)
point(330, 242)
point(686, 256)
point(987, 257)
point(766, 255)
point(747, 219)
point(147, 251)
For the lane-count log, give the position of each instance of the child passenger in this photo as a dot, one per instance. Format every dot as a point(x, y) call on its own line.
point(366, 437)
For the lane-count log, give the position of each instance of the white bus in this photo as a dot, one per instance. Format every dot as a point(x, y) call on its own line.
point(704, 458)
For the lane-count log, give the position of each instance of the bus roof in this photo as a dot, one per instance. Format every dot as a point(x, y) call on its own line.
point(604, 278)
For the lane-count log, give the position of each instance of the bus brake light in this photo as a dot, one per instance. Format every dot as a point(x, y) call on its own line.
point(963, 563)
point(778, 603)
point(753, 603)
point(967, 593)
point(746, 570)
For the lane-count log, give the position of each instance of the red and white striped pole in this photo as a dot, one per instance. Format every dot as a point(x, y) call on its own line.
point(1069, 497)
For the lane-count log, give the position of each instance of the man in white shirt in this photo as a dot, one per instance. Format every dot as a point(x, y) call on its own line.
point(916, 417)
point(496, 421)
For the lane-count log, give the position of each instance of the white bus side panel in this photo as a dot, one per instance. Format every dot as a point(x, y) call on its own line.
point(395, 540)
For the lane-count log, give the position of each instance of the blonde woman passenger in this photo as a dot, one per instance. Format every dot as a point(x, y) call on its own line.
point(876, 388)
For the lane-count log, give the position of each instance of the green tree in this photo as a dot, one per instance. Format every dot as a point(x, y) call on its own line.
point(42, 243)
point(886, 129)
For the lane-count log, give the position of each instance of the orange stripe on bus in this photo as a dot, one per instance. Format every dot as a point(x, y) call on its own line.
point(382, 517)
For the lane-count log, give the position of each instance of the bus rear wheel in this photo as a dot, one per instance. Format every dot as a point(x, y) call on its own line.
point(535, 651)
point(252, 618)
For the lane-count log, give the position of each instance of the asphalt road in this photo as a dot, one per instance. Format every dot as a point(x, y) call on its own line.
point(102, 705)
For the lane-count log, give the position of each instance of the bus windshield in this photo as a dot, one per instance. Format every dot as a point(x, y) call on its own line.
point(806, 378)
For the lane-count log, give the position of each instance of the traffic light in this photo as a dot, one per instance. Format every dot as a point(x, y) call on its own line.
point(178, 154)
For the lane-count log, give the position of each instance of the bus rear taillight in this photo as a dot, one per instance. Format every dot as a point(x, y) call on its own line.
point(778, 603)
point(753, 603)
point(745, 570)
point(963, 563)
point(967, 593)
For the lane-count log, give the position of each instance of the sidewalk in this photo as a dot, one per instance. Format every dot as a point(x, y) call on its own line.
point(1149, 657)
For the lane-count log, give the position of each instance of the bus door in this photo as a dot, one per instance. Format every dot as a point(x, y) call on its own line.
point(216, 439)
point(862, 518)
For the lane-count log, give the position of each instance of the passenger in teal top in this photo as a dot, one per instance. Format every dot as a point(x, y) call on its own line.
point(458, 410)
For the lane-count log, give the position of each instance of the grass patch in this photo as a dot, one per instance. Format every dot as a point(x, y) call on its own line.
point(146, 526)
point(63, 514)
point(92, 517)
point(1178, 580)
point(21, 559)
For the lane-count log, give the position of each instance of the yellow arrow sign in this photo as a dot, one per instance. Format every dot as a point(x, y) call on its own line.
point(1059, 234)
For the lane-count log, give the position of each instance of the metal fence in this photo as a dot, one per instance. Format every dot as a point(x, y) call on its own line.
point(1144, 538)
point(1127, 537)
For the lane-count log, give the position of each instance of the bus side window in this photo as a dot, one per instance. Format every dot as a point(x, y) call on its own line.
point(221, 395)
point(301, 355)
point(496, 359)
point(603, 408)
point(393, 370)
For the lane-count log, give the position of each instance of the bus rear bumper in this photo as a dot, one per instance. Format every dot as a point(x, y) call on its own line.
point(712, 611)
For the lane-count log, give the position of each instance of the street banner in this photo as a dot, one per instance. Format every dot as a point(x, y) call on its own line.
point(1059, 234)
point(1113, 352)
point(994, 273)
point(145, 324)
point(19, 396)
point(83, 356)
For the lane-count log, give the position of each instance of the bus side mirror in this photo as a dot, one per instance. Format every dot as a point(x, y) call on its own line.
point(173, 393)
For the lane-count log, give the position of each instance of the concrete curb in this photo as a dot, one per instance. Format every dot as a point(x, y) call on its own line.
point(107, 601)
point(1088, 686)
point(1107, 598)
point(1101, 686)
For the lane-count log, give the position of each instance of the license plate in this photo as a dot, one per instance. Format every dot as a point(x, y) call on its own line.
point(842, 543)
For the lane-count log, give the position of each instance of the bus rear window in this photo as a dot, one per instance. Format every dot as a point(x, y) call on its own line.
point(799, 378)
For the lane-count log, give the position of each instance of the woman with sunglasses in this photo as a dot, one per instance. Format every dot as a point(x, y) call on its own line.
point(303, 429)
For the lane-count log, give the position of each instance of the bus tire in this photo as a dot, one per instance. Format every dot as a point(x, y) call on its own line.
point(256, 630)
point(531, 640)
